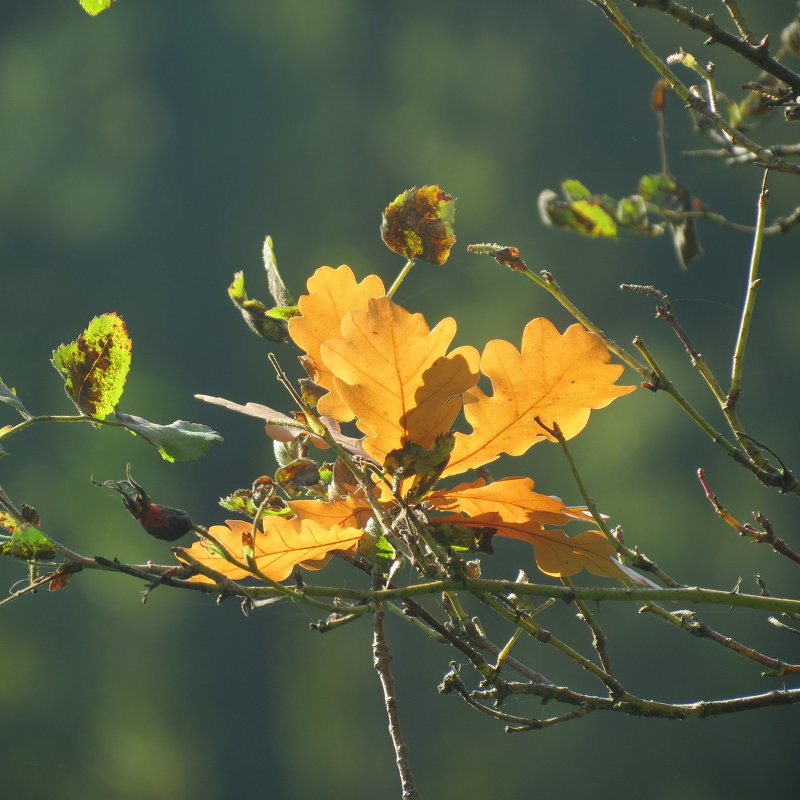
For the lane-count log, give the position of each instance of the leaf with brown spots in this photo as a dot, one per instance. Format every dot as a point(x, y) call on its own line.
point(418, 224)
point(94, 367)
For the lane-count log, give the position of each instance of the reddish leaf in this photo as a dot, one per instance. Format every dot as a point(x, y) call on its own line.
point(418, 224)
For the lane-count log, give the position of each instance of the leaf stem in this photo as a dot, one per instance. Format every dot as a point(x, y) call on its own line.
point(26, 423)
point(547, 282)
point(400, 277)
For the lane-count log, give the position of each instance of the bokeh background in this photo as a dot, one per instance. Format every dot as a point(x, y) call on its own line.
point(144, 156)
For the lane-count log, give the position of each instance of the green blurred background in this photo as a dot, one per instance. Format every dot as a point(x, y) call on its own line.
point(145, 154)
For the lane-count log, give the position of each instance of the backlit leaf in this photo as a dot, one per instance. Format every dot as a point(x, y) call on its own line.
point(277, 288)
point(278, 547)
point(8, 395)
point(557, 377)
point(332, 293)
point(556, 553)
point(418, 224)
point(178, 441)
point(269, 323)
point(95, 366)
point(512, 498)
point(9, 522)
point(94, 7)
point(28, 543)
point(395, 375)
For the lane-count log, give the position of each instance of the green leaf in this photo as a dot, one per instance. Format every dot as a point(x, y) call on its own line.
point(592, 217)
point(377, 551)
point(9, 395)
point(595, 220)
point(657, 188)
point(277, 288)
point(271, 324)
point(178, 441)
point(418, 224)
point(95, 366)
point(575, 190)
point(94, 7)
point(30, 544)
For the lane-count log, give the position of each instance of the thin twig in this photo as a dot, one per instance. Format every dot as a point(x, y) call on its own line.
point(738, 19)
point(598, 635)
point(767, 536)
point(697, 104)
point(753, 283)
point(757, 54)
point(381, 660)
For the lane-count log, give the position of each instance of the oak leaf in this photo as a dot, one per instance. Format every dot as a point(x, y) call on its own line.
point(332, 293)
point(512, 498)
point(277, 548)
point(557, 377)
point(396, 376)
point(556, 553)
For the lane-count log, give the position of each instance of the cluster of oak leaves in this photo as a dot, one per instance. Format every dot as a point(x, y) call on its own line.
point(382, 367)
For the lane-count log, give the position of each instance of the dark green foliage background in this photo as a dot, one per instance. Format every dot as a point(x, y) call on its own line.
point(145, 154)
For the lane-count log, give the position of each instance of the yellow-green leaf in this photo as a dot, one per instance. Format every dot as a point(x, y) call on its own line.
point(94, 7)
point(94, 367)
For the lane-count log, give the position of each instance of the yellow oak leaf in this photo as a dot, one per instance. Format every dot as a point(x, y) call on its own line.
point(395, 375)
point(557, 377)
point(556, 553)
point(277, 548)
point(331, 294)
point(351, 512)
point(512, 498)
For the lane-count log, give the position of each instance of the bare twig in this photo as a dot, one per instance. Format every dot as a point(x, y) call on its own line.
point(757, 54)
point(381, 660)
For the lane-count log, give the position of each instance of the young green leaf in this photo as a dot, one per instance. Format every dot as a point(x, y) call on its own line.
point(178, 441)
point(418, 224)
point(575, 190)
point(94, 7)
point(94, 367)
point(277, 288)
point(9, 395)
point(270, 324)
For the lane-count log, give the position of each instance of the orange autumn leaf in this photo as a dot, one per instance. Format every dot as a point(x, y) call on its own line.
point(396, 376)
point(331, 294)
point(512, 498)
point(352, 512)
point(556, 553)
point(557, 377)
point(277, 548)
